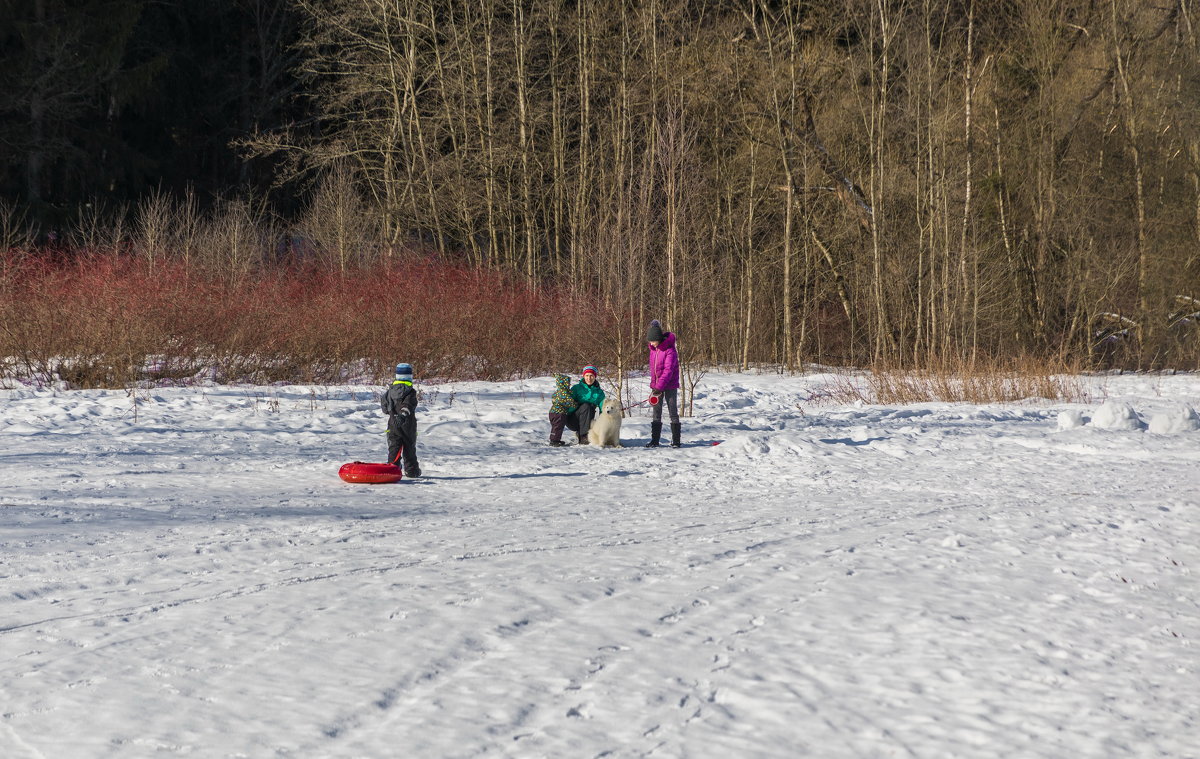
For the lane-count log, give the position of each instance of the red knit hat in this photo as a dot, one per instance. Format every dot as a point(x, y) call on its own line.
point(590, 368)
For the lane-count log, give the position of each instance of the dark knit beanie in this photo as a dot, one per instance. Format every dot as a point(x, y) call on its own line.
point(655, 333)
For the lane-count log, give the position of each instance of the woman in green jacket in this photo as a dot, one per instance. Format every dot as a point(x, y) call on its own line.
point(590, 397)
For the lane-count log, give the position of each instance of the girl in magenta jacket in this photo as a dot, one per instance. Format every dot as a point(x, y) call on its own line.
point(664, 382)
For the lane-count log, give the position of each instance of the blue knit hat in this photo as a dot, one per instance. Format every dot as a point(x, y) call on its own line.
point(404, 372)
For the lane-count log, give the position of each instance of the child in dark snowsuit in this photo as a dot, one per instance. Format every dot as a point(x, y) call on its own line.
point(561, 406)
point(399, 402)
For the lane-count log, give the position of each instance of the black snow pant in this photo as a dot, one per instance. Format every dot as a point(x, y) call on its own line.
point(402, 441)
point(581, 420)
point(557, 422)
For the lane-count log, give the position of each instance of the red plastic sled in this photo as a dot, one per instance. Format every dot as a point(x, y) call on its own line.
point(370, 474)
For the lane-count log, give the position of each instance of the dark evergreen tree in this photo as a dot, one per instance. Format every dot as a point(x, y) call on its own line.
point(64, 81)
point(105, 100)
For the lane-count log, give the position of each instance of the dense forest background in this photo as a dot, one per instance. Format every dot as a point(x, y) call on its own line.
point(859, 182)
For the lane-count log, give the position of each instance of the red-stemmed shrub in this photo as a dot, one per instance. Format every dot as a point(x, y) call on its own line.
point(99, 318)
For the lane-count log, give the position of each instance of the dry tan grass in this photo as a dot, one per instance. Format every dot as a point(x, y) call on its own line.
point(963, 381)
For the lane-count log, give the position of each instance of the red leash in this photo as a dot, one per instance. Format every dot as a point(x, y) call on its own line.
point(652, 400)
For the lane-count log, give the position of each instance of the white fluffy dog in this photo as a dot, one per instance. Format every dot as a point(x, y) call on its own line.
point(606, 427)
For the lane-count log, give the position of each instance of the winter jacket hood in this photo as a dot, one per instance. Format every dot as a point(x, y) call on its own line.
point(562, 402)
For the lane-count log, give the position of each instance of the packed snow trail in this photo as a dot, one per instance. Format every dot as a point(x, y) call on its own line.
point(188, 576)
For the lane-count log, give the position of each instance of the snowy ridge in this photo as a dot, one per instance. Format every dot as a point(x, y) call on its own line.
point(182, 573)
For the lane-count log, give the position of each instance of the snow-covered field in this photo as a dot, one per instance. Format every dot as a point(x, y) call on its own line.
point(183, 573)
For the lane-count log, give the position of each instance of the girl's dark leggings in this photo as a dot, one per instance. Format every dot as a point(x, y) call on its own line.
point(670, 399)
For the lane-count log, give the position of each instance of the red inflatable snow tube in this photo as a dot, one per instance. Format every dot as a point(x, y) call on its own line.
point(370, 474)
